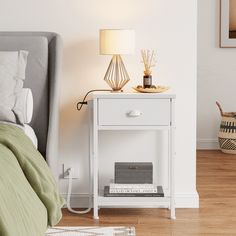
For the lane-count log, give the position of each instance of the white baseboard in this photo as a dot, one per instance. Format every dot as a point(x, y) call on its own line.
point(182, 200)
point(187, 200)
point(207, 144)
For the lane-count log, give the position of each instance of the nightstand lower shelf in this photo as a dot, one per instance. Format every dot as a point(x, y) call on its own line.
point(133, 202)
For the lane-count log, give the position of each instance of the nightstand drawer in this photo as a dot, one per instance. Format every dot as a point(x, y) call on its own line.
point(122, 112)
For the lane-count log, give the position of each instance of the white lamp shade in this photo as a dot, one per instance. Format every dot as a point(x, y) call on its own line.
point(116, 41)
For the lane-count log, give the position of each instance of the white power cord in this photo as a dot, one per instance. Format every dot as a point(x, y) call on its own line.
point(70, 170)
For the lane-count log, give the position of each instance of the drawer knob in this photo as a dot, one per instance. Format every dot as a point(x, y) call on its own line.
point(134, 113)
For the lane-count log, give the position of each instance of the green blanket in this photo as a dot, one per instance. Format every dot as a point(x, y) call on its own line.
point(29, 200)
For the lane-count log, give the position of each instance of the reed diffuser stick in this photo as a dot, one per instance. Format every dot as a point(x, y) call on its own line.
point(149, 60)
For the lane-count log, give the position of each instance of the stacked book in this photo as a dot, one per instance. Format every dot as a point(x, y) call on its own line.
point(133, 190)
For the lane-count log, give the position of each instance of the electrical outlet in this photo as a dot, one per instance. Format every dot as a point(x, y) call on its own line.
point(65, 171)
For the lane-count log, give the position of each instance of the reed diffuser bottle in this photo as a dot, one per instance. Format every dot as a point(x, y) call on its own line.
point(149, 61)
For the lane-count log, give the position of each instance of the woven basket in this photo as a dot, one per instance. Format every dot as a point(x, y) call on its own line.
point(227, 133)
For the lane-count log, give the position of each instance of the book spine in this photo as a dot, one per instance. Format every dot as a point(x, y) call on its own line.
point(132, 186)
point(134, 195)
point(133, 190)
point(158, 194)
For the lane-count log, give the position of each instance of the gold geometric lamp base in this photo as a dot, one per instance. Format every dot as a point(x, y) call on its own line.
point(116, 75)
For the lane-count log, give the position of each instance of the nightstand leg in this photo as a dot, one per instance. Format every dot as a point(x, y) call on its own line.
point(95, 163)
point(172, 179)
point(95, 177)
point(171, 182)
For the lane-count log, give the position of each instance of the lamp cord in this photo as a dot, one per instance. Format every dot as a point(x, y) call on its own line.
point(80, 104)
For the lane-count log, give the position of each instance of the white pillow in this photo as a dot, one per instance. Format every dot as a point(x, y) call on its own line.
point(12, 75)
point(24, 105)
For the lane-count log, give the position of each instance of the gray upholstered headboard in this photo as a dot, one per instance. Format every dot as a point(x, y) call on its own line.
point(42, 72)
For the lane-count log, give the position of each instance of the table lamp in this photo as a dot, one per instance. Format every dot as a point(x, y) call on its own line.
point(116, 42)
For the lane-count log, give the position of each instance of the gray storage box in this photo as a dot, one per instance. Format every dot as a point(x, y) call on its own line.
point(133, 173)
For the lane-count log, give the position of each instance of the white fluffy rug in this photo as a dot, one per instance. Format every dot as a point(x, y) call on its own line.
point(91, 231)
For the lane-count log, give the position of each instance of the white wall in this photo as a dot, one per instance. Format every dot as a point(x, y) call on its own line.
point(167, 26)
point(216, 74)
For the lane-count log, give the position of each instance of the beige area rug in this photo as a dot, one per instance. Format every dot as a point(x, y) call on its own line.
point(91, 231)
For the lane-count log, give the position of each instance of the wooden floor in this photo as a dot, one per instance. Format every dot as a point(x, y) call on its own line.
point(216, 185)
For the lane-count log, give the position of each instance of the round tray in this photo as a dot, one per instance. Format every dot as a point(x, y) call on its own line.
point(158, 89)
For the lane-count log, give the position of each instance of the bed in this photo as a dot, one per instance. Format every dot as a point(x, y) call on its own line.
point(29, 200)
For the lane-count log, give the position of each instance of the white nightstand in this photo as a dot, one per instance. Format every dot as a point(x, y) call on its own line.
point(131, 111)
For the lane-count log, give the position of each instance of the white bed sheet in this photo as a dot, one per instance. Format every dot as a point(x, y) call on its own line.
point(31, 134)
